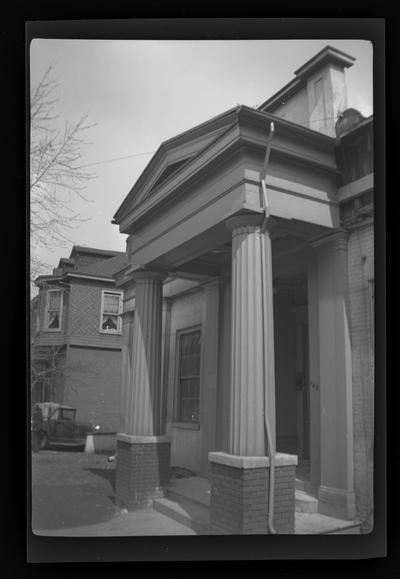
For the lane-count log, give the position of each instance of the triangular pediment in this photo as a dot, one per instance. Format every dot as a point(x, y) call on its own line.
point(172, 156)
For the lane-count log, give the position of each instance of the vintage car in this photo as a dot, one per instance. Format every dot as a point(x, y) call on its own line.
point(55, 424)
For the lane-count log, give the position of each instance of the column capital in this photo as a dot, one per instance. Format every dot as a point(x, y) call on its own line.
point(167, 304)
point(143, 274)
point(336, 238)
point(252, 221)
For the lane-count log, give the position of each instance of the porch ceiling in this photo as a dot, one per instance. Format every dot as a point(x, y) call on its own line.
point(289, 251)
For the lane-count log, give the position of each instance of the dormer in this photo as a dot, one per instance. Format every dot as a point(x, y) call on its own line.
point(317, 95)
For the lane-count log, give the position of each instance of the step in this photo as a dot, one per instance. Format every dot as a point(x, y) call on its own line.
point(190, 513)
point(318, 524)
point(195, 489)
point(305, 503)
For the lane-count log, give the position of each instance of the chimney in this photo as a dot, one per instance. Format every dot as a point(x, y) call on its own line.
point(318, 95)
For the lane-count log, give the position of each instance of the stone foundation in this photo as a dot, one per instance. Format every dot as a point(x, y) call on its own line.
point(240, 494)
point(143, 470)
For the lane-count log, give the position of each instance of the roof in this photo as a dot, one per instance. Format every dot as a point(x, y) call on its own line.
point(114, 262)
point(106, 267)
point(93, 250)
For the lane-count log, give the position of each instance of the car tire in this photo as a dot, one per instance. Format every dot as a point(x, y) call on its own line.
point(43, 441)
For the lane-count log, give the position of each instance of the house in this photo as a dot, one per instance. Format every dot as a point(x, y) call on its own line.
point(248, 310)
point(76, 337)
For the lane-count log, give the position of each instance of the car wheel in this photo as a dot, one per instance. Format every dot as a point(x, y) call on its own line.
point(43, 440)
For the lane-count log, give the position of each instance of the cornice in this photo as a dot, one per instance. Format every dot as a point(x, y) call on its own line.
point(226, 145)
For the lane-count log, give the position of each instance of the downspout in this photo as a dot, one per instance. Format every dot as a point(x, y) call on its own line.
point(271, 449)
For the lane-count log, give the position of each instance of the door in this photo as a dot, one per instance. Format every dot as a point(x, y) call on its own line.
point(302, 385)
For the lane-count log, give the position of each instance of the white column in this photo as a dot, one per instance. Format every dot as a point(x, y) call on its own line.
point(143, 412)
point(224, 365)
point(315, 405)
point(166, 325)
point(209, 371)
point(252, 351)
point(127, 340)
point(336, 491)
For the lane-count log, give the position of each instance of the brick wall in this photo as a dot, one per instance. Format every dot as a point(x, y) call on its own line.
point(360, 271)
point(239, 500)
point(142, 473)
point(84, 320)
point(92, 384)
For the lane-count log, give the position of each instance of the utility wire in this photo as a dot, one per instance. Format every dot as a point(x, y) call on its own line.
point(151, 152)
point(118, 159)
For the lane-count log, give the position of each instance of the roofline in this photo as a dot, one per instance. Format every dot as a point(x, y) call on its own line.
point(289, 125)
point(173, 140)
point(69, 274)
point(285, 91)
point(94, 250)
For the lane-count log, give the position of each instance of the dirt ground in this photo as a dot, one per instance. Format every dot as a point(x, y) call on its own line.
point(71, 489)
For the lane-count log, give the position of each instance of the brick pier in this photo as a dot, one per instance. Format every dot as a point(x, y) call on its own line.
point(143, 470)
point(240, 494)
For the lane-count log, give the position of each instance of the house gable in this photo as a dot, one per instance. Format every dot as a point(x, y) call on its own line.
point(172, 156)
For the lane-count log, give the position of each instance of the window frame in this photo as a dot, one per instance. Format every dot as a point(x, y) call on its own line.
point(60, 291)
point(178, 422)
point(118, 331)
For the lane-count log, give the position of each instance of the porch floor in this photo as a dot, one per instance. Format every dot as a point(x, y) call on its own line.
point(188, 502)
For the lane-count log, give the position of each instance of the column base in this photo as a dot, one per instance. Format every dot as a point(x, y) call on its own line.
point(143, 470)
point(240, 494)
point(337, 503)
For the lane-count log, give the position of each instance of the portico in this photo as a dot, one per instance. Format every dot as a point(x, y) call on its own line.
point(268, 300)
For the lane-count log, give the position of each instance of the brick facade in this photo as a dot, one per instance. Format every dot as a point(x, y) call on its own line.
point(143, 471)
point(92, 385)
point(361, 276)
point(240, 498)
point(89, 371)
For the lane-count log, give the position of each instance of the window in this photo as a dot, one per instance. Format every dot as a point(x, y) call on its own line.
point(54, 309)
point(111, 310)
point(187, 407)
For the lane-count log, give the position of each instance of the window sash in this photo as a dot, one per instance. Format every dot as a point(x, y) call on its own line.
point(188, 383)
point(111, 310)
point(54, 309)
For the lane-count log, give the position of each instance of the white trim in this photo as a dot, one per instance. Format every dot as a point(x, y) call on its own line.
point(141, 439)
point(92, 277)
point(47, 329)
point(247, 462)
point(356, 188)
point(118, 331)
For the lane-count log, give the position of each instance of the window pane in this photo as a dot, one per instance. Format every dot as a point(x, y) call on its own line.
point(110, 323)
point(54, 320)
point(111, 304)
point(190, 344)
point(54, 300)
point(190, 410)
point(190, 388)
point(190, 366)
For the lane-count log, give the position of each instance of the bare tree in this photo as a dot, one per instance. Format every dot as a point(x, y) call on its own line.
point(57, 175)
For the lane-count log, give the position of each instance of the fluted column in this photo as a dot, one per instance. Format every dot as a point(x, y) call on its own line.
point(144, 409)
point(143, 452)
point(127, 338)
point(252, 349)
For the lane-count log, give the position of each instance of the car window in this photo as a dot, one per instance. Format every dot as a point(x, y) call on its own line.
point(67, 414)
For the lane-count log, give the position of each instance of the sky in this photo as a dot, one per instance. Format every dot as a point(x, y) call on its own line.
point(138, 93)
